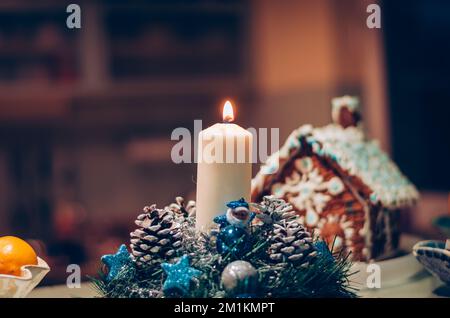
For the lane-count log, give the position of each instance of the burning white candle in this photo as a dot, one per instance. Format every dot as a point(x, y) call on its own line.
point(224, 168)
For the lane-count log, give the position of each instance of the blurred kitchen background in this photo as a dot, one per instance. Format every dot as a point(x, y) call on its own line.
point(86, 115)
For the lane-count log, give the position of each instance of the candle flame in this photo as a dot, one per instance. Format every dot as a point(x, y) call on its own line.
point(228, 114)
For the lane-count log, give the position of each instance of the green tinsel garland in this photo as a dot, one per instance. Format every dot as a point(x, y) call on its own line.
point(327, 276)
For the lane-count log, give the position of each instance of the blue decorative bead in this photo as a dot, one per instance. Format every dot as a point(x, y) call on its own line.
point(233, 240)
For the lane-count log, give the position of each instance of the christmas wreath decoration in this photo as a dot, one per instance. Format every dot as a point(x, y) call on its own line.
point(254, 250)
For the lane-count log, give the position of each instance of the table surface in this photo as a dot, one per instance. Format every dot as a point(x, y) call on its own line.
point(421, 286)
point(403, 277)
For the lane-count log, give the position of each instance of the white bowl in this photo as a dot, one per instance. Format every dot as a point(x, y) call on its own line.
point(20, 286)
point(435, 258)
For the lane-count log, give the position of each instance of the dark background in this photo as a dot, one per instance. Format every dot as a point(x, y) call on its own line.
point(417, 40)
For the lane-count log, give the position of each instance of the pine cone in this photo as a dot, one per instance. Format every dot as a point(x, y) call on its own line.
point(273, 210)
point(179, 207)
point(158, 237)
point(291, 242)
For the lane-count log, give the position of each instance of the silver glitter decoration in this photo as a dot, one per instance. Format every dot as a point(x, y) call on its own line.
point(241, 276)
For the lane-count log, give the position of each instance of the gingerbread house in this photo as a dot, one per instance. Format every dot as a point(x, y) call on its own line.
point(342, 185)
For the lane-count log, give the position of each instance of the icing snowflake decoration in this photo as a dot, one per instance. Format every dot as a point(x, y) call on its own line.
point(307, 190)
point(337, 229)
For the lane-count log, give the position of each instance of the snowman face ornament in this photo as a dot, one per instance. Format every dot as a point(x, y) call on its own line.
point(239, 216)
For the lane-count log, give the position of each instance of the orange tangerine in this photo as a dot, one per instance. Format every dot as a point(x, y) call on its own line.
point(14, 253)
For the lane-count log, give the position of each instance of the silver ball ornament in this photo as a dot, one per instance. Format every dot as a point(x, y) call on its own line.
point(240, 277)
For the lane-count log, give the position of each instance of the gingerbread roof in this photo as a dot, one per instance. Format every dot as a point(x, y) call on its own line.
point(356, 156)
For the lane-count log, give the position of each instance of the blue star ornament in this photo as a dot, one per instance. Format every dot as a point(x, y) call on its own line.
point(179, 276)
point(115, 262)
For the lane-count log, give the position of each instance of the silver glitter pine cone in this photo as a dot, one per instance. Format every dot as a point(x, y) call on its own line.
point(291, 242)
point(273, 210)
point(180, 207)
point(158, 238)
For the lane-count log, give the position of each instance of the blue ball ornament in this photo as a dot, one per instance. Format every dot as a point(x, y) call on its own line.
point(232, 240)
